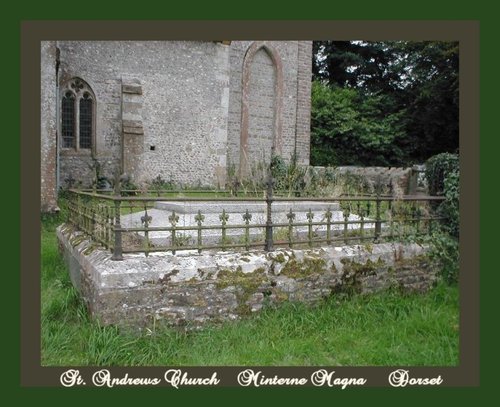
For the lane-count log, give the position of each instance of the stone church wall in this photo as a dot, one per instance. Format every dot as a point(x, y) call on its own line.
point(48, 127)
point(174, 108)
point(295, 57)
point(184, 106)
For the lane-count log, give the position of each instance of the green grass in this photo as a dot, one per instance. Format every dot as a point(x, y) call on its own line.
point(383, 329)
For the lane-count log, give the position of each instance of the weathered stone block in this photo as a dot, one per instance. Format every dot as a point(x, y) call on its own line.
point(133, 130)
point(134, 89)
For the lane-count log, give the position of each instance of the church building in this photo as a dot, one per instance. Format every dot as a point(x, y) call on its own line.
point(187, 111)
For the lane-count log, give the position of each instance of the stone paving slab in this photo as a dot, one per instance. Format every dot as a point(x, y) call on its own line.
point(242, 206)
point(160, 218)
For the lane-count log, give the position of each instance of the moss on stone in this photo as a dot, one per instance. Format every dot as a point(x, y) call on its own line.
point(90, 249)
point(305, 268)
point(205, 275)
point(76, 240)
point(166, 277)
point(280, 295)
point(68, 229)
point(418, 265)
point(277, 257)
point(353, 270)
point(362, 268)
point(245, 284)
point(280, 258)
point(243, 309)
point(247, 281)
point(199, 302)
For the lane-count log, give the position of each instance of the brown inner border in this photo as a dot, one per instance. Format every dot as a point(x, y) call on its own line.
point(467, 32)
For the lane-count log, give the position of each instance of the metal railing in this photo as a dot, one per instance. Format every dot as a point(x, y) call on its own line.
point(126, 222)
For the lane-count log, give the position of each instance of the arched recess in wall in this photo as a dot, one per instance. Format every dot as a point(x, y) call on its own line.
point(77, 117)
point(261, 105)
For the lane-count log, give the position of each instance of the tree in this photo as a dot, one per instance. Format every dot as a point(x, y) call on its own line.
point(432, 96)
point(410, 88)
point(368, 66)
point(350, 128)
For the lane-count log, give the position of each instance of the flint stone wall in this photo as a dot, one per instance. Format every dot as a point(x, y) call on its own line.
point(192, 289)
point(183, 107)
point(172, 108)
point(48, 127)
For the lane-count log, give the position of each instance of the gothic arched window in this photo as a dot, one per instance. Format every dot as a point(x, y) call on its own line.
point(68, 120)
point(77, 116)
point(86, 121)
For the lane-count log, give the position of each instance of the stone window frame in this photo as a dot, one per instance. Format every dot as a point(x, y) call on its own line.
point(78, 88)
point(245, 114)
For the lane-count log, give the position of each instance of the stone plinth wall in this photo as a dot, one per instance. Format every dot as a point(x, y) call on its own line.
point(191, 289)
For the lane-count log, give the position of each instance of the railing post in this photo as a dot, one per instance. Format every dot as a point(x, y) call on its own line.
point(346, 212)
point(72, 208)
point(173, 219)
point(79, 212)
point(93, 221)
point(310, 216)
point(224, 217)
point(418, 214)
point(391, 219)
point(117, 248)
point(291, 217)
point(247, 217)
point(146, 220)
point(361, 223)
point(199, 218)
point(378, 220)
point(107, 233)
point(328, 216)
point(269, 222)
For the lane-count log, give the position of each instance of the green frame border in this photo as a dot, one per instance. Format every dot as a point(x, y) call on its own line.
point(476, 12)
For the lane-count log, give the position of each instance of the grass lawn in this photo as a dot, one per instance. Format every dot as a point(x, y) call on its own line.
point(383, 329)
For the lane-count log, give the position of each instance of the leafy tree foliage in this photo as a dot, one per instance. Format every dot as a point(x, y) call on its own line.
point(351, 128)
point(432, 97)
point(383, 103)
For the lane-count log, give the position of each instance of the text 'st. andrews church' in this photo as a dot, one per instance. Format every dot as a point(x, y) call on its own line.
point(186, 111)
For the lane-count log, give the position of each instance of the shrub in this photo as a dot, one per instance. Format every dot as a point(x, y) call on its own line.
point(279, 169)
point(437, 169)
point(99, 181)
point(159, 184)
point(444, 251)
point(450, 207)
point(443, 177)
point(127, 187)
point(288, 177)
